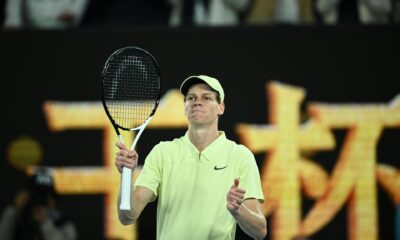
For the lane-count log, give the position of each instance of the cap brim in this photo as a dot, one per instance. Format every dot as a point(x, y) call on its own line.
point(189, 82)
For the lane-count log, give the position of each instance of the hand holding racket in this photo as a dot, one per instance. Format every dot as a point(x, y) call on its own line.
point(125, 157)
point(130, 96)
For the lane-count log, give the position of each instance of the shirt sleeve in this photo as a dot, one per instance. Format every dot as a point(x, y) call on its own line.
point(150, 176)
point(249, 175)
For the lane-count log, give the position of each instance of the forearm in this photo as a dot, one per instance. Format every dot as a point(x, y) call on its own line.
point(140, 197)
point(126, 217)
point(252, 223)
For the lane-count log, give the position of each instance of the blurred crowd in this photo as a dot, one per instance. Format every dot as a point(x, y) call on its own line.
point(62, 14)
point(34, 214)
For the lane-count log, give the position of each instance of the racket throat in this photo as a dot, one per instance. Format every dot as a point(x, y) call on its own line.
point(141, 129)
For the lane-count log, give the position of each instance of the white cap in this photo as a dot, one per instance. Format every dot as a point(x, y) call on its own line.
point(210, 81)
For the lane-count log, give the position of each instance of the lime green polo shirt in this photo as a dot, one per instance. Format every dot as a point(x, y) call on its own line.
point(191, 186)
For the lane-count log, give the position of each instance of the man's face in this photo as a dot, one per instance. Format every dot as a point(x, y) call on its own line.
point(201, 105)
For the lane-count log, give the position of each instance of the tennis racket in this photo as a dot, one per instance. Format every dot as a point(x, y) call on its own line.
point(130, 96)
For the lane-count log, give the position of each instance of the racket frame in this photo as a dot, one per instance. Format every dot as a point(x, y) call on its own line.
point(126, 176)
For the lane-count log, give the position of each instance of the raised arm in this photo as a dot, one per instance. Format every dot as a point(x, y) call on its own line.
point(140, 196)
point(248, 213)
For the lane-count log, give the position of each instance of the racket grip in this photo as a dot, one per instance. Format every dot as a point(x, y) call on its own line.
point(126, 181)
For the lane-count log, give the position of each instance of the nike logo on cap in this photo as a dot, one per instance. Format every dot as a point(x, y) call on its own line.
point(219, 168)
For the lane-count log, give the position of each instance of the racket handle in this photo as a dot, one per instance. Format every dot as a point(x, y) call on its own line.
point(126, 181)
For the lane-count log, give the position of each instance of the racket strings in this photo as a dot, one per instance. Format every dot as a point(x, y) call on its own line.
point(131, 88)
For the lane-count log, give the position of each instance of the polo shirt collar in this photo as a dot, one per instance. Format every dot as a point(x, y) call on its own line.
point(211, 150)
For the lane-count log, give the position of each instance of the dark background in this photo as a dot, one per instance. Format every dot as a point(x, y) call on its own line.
point(342, 64)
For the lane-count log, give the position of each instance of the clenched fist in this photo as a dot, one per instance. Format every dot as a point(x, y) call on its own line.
point(125, 157)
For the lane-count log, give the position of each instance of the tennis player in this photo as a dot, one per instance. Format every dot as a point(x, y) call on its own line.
point(205, 183)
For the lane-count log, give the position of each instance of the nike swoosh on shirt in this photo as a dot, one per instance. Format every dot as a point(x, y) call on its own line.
point(219, 168)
